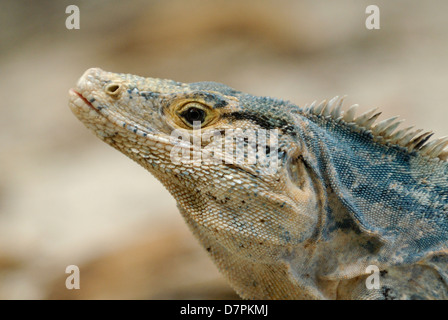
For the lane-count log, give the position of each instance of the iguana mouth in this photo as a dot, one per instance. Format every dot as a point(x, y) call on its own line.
point(85, 100)
point(116, 119)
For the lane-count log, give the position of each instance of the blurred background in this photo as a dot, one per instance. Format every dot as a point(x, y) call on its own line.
point(68, 198)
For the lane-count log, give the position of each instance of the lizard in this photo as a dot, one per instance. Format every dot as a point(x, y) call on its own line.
point(348, 192)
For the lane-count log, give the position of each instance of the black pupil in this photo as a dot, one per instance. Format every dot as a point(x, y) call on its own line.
point(194, 114)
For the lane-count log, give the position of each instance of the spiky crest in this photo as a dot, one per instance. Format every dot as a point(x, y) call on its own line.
point(384, 131)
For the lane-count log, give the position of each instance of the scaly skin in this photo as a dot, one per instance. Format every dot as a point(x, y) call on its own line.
point(346, 194)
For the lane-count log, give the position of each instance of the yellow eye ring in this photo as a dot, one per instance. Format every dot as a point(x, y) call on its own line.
point(193, 112)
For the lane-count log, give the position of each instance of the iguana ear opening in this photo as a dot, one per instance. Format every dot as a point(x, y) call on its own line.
point(301, 186)
point(298, 169)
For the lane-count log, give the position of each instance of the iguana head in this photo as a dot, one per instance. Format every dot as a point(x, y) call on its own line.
point(251, 204)
point(290, 202)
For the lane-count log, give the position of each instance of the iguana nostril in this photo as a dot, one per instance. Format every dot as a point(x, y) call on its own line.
point(113, 89)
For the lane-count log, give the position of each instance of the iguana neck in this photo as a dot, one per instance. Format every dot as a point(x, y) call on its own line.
point(399, 197)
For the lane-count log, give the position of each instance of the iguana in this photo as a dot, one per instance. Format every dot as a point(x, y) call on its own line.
point(347, 194)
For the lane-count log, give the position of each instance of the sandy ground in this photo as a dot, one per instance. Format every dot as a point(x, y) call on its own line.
point(68, 198)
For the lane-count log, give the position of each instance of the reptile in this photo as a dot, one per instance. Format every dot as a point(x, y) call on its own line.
point(347, 192)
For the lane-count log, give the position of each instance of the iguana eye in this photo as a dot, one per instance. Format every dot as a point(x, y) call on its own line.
point(193, 113)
